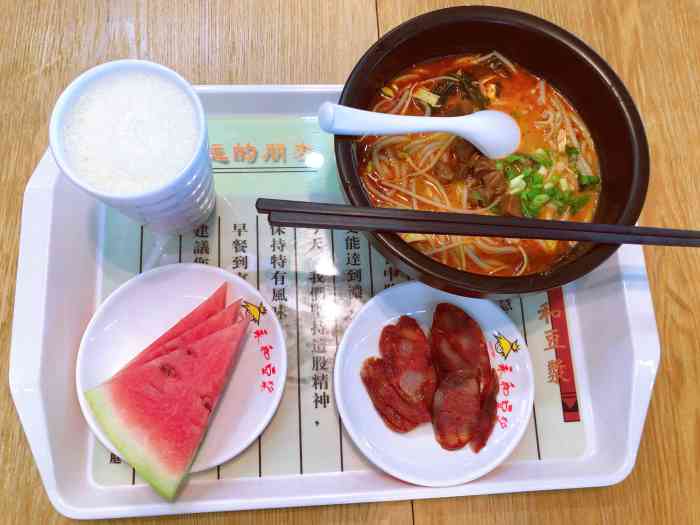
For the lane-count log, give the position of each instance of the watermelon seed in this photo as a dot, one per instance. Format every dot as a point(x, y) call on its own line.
point(206, 402)
point(189, 351)
point(168, 370)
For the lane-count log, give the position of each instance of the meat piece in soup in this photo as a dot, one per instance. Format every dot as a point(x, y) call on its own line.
point(553, 175)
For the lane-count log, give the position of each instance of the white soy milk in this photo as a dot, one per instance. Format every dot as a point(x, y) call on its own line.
point(130, 132)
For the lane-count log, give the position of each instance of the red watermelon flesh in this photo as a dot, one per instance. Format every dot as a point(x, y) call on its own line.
point(211, 306)
point(157, 414)
point(217, 322)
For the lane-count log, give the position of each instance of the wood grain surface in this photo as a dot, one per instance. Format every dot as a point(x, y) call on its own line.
point(653, 45)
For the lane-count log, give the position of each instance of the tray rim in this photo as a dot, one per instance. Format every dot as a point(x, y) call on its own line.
point(26, 351)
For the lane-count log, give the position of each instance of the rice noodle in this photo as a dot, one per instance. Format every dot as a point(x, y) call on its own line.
point(523, 266)
point(497, 55)
point(385, 198)
point(567, 123)
point(400, 102)
point(583, 166)
point(439, 249)
point(425, 200)
point(476, 259)
point(498, 250)
point(496, 270)
point(540, 99)
point(470, 59)
point(408, 100)
point(581, 126)
point(414, 204)
point(462, 259)
point(465, 192)
point(489, 240)
point(440, 187)
point(419, 142)
point(389, 140)
point(435, 160)
point(377, 106)
point(426, 150)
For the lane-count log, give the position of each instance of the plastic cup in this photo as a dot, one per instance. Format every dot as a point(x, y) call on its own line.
point(179, 205)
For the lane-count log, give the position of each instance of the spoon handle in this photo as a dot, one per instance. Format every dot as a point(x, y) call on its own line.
point(343, 120)
point(494, 133)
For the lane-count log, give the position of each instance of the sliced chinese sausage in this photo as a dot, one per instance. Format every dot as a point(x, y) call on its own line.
point(397, 413)
point(445, 357)
point(406, 350)
point(464, 336)
point(456, 409)
point(487, 415)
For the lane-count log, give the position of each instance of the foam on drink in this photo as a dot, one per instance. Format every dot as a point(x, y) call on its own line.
point(130, 132)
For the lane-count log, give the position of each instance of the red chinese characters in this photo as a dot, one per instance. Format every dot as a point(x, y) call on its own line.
point(506, 387)
point(503, 369)
point(269, 369)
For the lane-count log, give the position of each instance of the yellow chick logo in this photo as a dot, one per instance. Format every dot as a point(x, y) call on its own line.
point(255, 312)
point(504, 346)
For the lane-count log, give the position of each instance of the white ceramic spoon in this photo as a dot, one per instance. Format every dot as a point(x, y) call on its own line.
point(494, 133)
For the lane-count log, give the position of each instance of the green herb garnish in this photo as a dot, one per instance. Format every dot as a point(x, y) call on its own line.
point(572, 153)
point(588, 180)
point(542, 157)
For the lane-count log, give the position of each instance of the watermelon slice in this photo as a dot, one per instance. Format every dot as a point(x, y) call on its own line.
point(216, 322)
point(211, 306)
point(156, 414)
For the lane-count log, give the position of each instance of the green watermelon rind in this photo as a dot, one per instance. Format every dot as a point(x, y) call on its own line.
point(127, 444)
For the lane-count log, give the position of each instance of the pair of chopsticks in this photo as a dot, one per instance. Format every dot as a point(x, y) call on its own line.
point(343, 217)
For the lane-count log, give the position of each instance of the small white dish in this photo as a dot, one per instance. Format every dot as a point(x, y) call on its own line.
point(416, 457)
point(144, 308)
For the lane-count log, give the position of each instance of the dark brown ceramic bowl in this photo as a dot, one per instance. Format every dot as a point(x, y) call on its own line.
point(547, 51)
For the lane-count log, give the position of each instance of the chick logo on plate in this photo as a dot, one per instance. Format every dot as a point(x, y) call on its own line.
point(504, 346)
point(255, 312)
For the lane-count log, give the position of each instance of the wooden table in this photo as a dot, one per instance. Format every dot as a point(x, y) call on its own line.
point(653, 45)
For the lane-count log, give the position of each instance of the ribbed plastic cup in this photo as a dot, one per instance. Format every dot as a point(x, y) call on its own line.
point(179, 205)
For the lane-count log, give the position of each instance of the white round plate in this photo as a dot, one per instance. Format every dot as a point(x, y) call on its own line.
point(145, 307)
point(416, 457)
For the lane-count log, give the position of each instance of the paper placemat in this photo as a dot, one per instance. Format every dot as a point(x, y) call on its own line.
point(316, 280)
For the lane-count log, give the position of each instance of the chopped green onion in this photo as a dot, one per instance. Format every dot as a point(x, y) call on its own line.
point(511, 172)
point(572, 152)
point(517, 185)
point(578, 202)
point(540, 200)
point(588, 180)
point(515, 158)
point(541, 156)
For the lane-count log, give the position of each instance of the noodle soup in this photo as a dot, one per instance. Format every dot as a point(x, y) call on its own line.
point(554, 174)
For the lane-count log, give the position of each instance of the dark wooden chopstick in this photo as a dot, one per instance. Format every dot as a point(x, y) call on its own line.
point(340, 216)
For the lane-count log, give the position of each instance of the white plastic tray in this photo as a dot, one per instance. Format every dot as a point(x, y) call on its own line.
point(613, 340)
